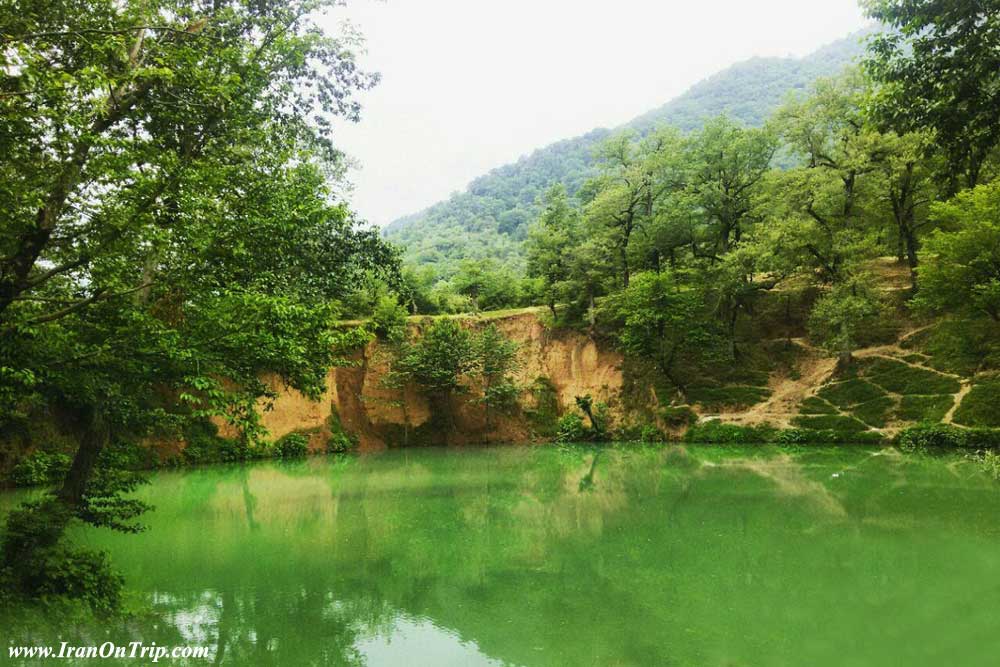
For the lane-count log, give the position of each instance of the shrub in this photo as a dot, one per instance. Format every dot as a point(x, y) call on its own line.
point(718, 433)
point(641, 433)
point(989, 461)
point(40, 468)
point(981, 406)
point(850, 392)
point(41, 565)
point(650, 433)
point(203, 444)
point(291, 446)
point(679, 415)
point(927, 436)
point(571, 428)
point(340, 442)
point(830, 422)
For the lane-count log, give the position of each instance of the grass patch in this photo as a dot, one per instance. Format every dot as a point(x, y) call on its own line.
point(830, 422)
point(899, 378)
point(915, 408)
point(850, 392)
point(959, 345)
point(875, 413)
point(814, 405)
point(916, 358)
point(981, 406)
point(733, 396)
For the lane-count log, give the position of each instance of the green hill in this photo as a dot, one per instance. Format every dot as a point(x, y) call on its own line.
point(491, 217)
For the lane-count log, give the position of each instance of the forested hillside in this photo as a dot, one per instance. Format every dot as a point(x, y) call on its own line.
point(491, 217)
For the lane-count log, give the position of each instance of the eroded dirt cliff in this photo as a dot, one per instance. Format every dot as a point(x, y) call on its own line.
point(553, 365)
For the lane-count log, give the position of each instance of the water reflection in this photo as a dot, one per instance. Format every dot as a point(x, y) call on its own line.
point(570, 556)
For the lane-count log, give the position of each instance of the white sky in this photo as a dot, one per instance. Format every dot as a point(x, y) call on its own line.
point(468, 85)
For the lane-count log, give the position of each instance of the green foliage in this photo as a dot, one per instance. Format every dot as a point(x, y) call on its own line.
point(171, 231)
point(292, 446)
point(487, 286)
point(840, 317)
point(44, 567)
point(989, 461)
point(571, 428)
point(678, 415)
point(837, 423)
point(649, 433)
point(552, 242)
point(981, 406)
point(663, 321)
point(719, 433)
point(496, 360)
point(961, 271)
point(938, 69)
point(40, 468)
point(203, 444)
point(448, 358)
point(339, 443)
point(389, 319)
point(934, 436)
point(439, 358)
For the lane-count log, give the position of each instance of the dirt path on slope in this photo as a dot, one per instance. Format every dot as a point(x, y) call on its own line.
point(815, 369)
point(786, 392)
point(949, 417)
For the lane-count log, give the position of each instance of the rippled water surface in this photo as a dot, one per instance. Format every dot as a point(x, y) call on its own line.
point(573, 556)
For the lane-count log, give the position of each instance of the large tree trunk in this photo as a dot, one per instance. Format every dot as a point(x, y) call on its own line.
point(94, 436)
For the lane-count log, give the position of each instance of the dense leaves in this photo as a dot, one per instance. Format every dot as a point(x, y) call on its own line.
point(171, 232)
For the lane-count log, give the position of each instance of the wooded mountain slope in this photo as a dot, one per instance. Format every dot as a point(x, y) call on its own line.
point(491, 217)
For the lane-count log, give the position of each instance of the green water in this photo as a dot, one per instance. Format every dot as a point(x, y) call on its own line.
point(573, 556)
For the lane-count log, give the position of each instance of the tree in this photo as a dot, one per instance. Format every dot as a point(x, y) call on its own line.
point(937, 68)
point(726, 163)
point(170, 233)
point(551, 241)
point(906, 168)
point(496, 360)
point(487, 286)
point(843, 313)
point(438, 361)
point(660, 319)
point(736, 282)
point(634, 176)
point(961, 268)
point(824, 208)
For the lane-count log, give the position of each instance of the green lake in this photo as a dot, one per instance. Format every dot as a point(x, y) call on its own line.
point(571, 556)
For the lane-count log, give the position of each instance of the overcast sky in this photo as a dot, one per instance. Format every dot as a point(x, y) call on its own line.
point(468, 85)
